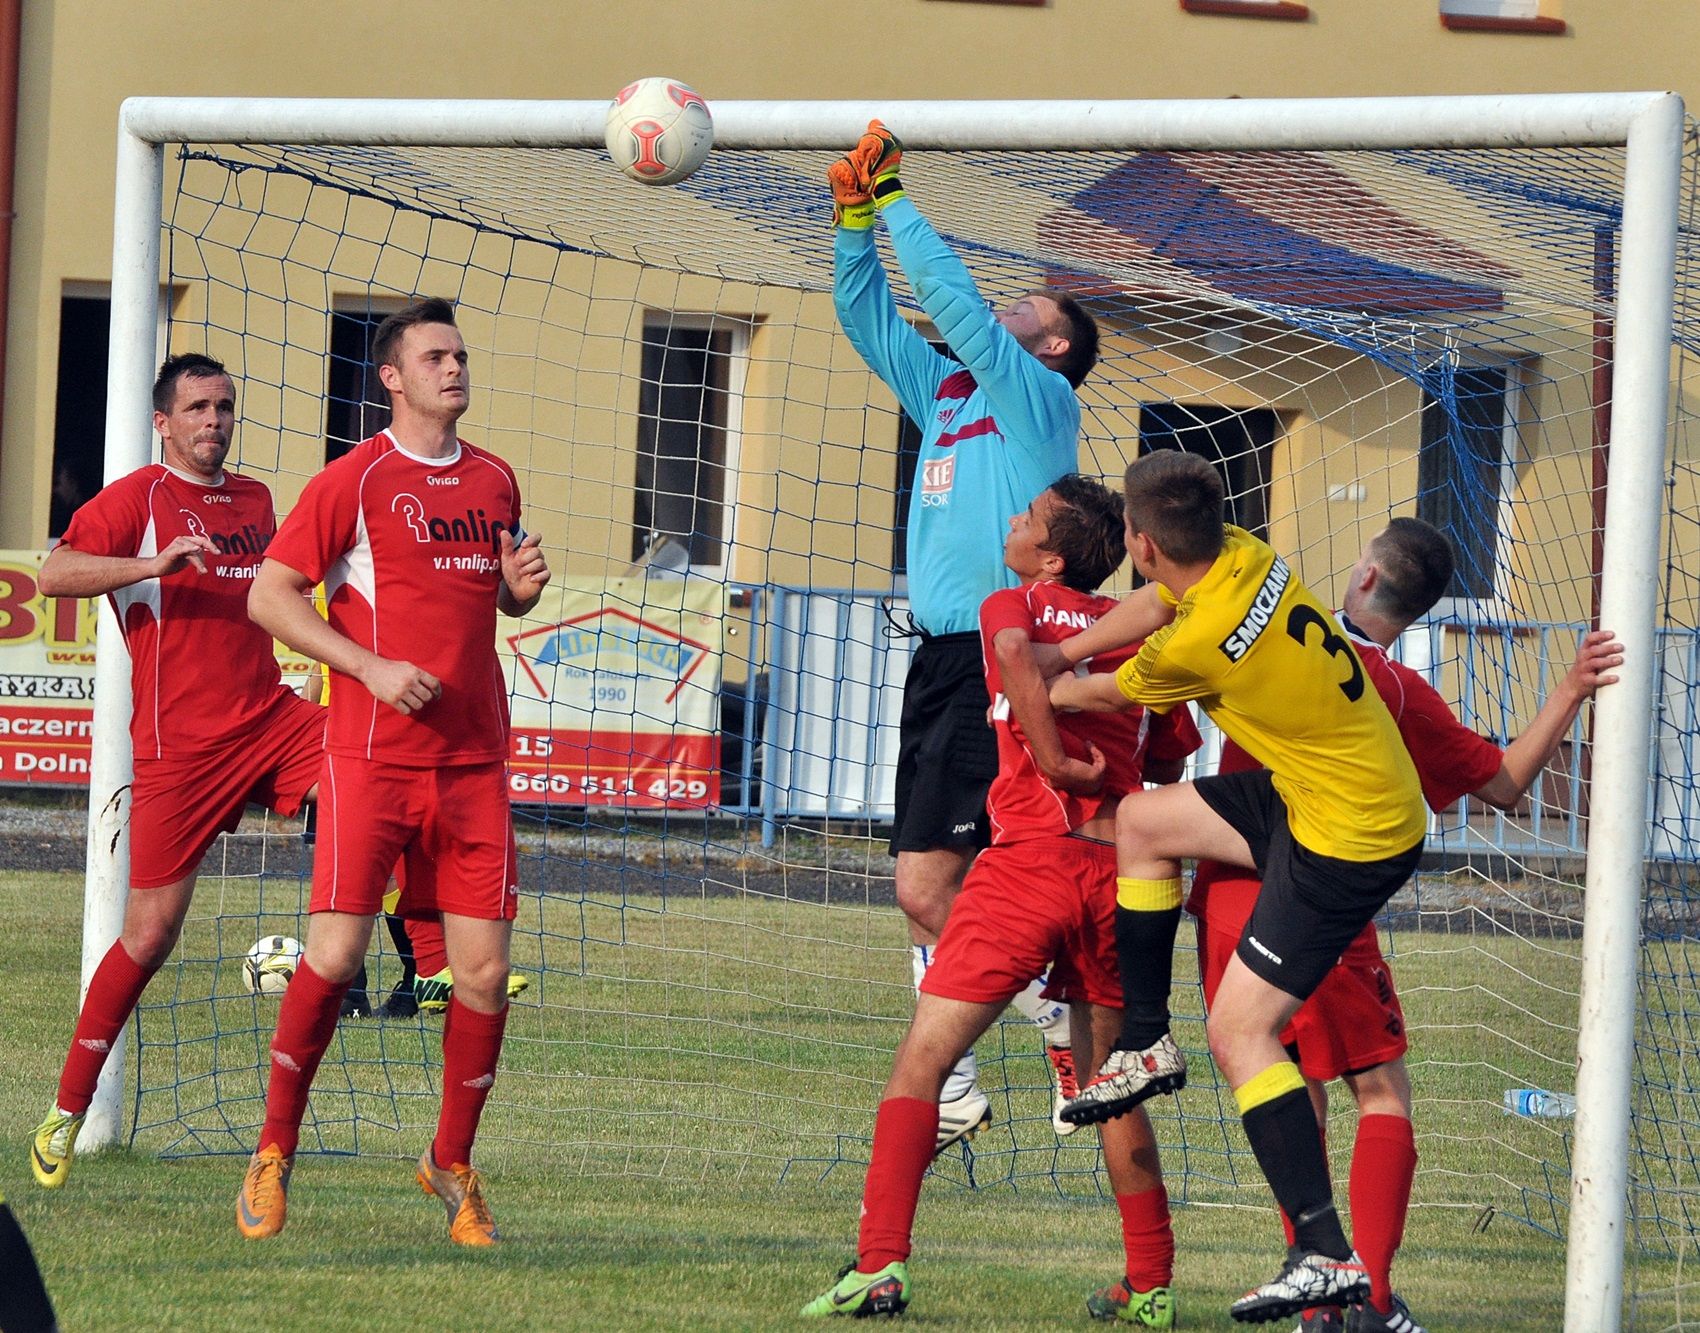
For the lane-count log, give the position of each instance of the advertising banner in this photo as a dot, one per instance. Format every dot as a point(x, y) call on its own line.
point(614, 687)
point(46, 678)
point(616, 695)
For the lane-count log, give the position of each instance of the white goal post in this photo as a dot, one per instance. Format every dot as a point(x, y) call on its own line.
point(1648, 125)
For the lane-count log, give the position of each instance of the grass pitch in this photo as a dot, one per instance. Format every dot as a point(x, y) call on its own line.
point(656, 1206)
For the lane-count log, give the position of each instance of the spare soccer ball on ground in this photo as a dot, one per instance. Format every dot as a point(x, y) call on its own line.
point(271, 963)
point(658, 131)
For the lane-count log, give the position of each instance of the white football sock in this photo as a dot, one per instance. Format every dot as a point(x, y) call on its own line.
point(1051, 1017)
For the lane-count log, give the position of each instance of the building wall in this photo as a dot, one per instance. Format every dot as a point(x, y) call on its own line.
point(78, 63)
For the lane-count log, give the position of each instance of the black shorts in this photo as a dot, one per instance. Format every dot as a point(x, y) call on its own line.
point(947, 755)
point(1311, 906)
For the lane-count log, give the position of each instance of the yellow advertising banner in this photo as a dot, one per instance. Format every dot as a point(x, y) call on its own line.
point(614, 689)
point(46, 678)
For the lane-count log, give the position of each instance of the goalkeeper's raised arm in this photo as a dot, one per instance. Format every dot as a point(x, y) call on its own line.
point(999, 424)
point(1008, 386)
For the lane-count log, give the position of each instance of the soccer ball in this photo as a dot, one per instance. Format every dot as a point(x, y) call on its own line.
point(271, 963)
point(658, 131)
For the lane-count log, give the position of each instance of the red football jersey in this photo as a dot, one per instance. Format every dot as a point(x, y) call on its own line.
point(1450, 760)
point(1021, 803)
point(408, 549)
point(201, 672)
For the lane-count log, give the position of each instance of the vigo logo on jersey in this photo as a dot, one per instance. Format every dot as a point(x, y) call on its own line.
point(938, 476)
point(469, 526)
point(247, 540)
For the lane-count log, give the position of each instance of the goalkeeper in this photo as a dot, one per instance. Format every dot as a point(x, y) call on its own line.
point(999, 422)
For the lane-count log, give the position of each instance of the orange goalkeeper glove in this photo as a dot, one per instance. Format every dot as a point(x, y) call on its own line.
point(866, 177)
point(852, 205)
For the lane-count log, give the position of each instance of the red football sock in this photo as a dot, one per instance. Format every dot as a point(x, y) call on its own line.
point(306, 1022)
point(117, 984)
point(472, 1044)
point(1384, 1163)
point(905, 1132)
point(1148, 1237)
point(430, 954)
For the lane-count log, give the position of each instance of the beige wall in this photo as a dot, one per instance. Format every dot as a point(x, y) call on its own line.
point(80, 58)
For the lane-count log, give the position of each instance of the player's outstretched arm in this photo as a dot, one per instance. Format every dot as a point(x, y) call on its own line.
point(1097, 693)
point(1596, 658)
point(525, 573)
point(1137, 616)
point(68, 572)
point(1030, 706)
point(278, 602)
point(861, 295)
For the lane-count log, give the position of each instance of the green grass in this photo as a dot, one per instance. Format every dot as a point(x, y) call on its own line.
point(631, 1186)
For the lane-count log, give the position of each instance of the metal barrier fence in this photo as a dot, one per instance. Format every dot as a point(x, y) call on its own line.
point(824, 685)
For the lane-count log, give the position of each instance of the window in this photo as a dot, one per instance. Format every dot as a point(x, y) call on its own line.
point(357, 407)
point(692, 375)
point(1463, 471)
point(79, 421)
point(1239, 443)
point(1536, 16)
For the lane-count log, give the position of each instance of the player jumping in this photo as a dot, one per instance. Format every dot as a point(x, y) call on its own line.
point(1044, 890)
point(1336, 825)
point(999, 421)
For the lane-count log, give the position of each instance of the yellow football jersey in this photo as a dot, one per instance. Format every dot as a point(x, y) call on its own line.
point(1271, 666)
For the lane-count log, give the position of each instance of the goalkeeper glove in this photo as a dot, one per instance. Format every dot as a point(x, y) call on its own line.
point(866, 176)
point(852, 205)
point(879, 154)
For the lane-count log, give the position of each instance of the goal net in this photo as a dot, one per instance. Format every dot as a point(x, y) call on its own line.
point(705, 714)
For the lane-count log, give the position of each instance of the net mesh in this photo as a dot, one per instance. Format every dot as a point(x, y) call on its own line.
point(717, 986)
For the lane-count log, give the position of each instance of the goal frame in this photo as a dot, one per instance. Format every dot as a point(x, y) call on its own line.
point(1648, 125)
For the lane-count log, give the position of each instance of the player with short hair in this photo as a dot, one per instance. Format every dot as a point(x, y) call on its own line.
point(415, 534)
point(175, 546)
point(1043, 891)
point(1353, 1027)
point(1335, 822)
point(999, 421)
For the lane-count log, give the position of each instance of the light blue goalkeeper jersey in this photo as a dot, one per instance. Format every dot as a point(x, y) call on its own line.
point(997, 427)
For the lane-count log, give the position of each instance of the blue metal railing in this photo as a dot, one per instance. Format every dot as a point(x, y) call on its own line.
point(824, 674)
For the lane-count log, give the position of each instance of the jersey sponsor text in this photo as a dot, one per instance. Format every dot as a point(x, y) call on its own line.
point(1257, 615)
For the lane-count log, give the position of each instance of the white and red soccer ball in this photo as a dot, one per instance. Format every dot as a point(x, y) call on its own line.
point(658, 131)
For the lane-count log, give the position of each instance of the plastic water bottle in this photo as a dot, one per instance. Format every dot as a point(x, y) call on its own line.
point(1539, 1102)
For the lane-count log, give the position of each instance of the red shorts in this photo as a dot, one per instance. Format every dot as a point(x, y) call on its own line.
point(451, 828)
point(1350, 1023)
point(179, 805)
point(1026, 904)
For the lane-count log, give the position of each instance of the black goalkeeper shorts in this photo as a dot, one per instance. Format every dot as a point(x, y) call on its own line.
point(947, 754)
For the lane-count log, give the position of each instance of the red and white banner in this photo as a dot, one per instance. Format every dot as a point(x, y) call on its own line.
point(615, 689)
